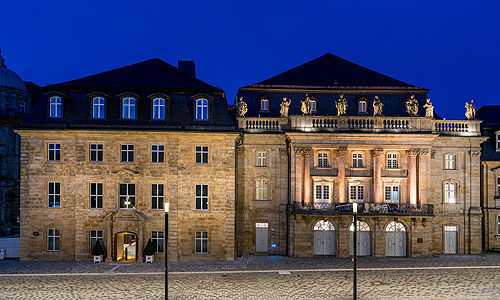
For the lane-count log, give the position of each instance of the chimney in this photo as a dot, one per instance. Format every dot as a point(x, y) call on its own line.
point(186, 66)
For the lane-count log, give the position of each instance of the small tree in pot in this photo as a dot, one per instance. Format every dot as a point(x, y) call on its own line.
point(149, 251)
point(98, 252)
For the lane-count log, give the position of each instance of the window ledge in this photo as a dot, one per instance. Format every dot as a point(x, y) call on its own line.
point(393, 169)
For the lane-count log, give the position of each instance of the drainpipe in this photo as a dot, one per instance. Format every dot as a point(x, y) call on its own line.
point(287, 210)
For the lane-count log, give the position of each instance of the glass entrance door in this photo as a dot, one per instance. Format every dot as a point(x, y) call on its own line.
point(126, 247)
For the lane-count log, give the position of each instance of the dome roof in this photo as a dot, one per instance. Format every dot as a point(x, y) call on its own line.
point(8, 78)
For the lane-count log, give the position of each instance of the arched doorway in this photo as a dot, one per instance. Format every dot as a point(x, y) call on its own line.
point(324, 238)
point(395, 239)
point(363, 235)
point(126, 247)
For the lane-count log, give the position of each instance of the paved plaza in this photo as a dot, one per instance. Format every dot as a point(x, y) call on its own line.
point(265, 277)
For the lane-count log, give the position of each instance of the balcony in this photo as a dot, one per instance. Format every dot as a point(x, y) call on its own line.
point(366, 209)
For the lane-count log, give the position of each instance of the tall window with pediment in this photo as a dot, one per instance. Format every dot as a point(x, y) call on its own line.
point(322, 192)
point(264, 104)
point(450, 192)
point(362, 106)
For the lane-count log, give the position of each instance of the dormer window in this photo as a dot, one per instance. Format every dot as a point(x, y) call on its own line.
point(312, 106)
point(98, 108)
point(128, 108)
point(55, 107)
point(264, 105)
point(201, 109)
point(158, 109)
point(22, 107)
point(498, 141)
point(362, 105)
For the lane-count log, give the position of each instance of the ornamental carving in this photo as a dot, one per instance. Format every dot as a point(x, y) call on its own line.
point(423, 152)
point(433, 153)
point(285, 105)
point(303, 151)
point(470, 112)
point(474, 153)
point(377, 152)
point(341, 105)
point(412, 106)
point(377, 107)
point(341, 151)
point(413, 152)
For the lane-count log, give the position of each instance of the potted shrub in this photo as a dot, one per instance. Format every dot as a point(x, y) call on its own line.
point(98, 252)
point(149, 252)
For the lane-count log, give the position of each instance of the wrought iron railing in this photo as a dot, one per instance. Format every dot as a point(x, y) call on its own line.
point(388, 209)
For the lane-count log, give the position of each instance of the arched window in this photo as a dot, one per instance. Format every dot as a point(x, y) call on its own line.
point(362, 105)
point(128, 108)
point(201, 109)
point(324, 226)
point(313, 105)
point(361, 226)
point(395, 226)
point(158, 109)
point(98, 108)
point(55, 107)
point(264, 104)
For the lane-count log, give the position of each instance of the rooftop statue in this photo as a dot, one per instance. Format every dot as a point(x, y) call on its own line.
point(412, 106)
point(377, 107)
point(341, 105)
point(285, 105)
point(306, 108)
point(242, 107)
point(429, 108)
point(470, 112)
point(2, 61)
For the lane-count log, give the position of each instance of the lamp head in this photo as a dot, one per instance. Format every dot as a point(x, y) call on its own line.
point(167, 207)
point(355, 208)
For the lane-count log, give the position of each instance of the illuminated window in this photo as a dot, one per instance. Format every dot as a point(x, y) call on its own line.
point(357, 160)
point(201, 198)
point(322, 193)
point(158, 108)
point(392, 194)
point(312, 105)
point(98, 108)
point(54, 194)
point(323, 160)
point(127, 153)
point(157, 196)
point(392, 161)
point(261, 159)
point(450, 192)
point(261, 189)
point(450, 162)
point(56, 107)
point(157, 153)
point(53, 240)
point(356, 193)
point(95, 236)
point(498, 142)
point(201, 154)
point(54, 152)
point(264, 105)
point(96, 152)
point(362, 107)
point(202, 109)
point(95, 195)
point(157, 240)
point(201, 242)
point(128, 108)
point(127, 195)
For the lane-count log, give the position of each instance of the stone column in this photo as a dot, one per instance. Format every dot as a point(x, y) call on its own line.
point(412, 174)
point(341, 173)
point(307, 177)
point(298, 174)
point(109, 241)
point(140, 247)
point(377, 176)
point(423, 181)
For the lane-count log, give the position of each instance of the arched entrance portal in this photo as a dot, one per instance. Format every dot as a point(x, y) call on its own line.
point(126, 247)
point(363, 235)
point(324, 238)
point(395, 239)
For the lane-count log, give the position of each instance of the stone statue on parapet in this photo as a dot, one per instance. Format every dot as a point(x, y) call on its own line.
point(377, 107)
point(242, 107)
point(429, 108)
point(285, 105)
point(341, 105)
point(306, 108)
point(2, 61)
point(412, 106)
point(470, 112)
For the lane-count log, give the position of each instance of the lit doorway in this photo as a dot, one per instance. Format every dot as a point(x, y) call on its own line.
point(126, 247)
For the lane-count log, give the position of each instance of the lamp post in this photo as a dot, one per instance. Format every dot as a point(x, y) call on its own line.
point(166, 249)
point(355, 250)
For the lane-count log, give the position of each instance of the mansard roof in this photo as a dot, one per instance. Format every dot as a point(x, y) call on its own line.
point(490, 114)
point(331, 72)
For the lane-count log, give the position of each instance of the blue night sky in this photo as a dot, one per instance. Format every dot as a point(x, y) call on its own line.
point(449, 47)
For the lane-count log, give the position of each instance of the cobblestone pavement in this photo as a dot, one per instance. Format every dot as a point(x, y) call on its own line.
point(446, 277)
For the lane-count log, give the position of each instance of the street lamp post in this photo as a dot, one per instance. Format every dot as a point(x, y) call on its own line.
point(166, 250)
point(355, 249)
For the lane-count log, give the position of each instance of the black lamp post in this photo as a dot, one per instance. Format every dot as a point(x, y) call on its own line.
point(355, 250)
point(166, 250)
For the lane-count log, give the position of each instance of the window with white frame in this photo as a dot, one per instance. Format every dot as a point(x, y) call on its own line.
point(498, 225)
point(201, 109)
point(261, 159)
point(498, 186)
point(392, 161)
point(313, 106)
point(127, 195)
point(450, 192)
point(392, 193)
point(54, 152)
point(157, 240)
point(95, 236)
point(322, 160)
point(54, 194)
point(498, 142)
point(95, 195)
point(158, 109)
point(322, 193)
point(55, 110)
point(157, 196)
point(261, 189)
point(264, 104)
point(357, 160)
point(356, 193)
point(362, 106)
point(157, 153)
point(22, 107)
point(450, 161)
point(128, 108)
point(98, 108)
point(201, 242)
point(201, 197)
point(127, 153)
point(53, 240)
point(96, 152)
point(201, 154)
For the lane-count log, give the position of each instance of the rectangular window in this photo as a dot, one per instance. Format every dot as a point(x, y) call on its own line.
point(201, 242)
point(98, 108)
point(264, 104)
point(55, 107)
point(322, 193)
point(392, 161)
point(498, 225)
point(261, 189)
point(95, 195)
point(450, 162)
point(450, 192)
point(357, 160)
point(96, 152)
point(157, 196)
point(54, 194)
point(392, 194)
point(498, 142)
point(158, 109)
point(201, 154)
point(127, 153)
point(157, 240)
point(157, 153)
point(323, 160)
point(362, 107)
point(53, 240)
point(128, 108)
point(22, 107)
point(357, 193)
point(54, 152)
point(201, 197)
point(312, 105)
point(498, 186)
point(95, 235)
point(127, 195)
point(261, 159)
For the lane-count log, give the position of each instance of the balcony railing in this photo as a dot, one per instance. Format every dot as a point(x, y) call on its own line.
point(368, 209)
